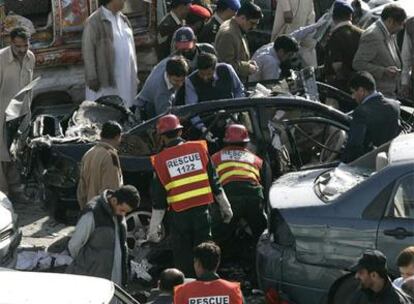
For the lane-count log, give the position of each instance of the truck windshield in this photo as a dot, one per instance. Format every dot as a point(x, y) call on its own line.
point(333, 183)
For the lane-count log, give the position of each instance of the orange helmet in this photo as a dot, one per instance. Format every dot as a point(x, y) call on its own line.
point(168, 123)
point(236, 134)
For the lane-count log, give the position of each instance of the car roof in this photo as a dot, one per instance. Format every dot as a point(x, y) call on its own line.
point(18, 287)
point(237, 103)
point(401, 149)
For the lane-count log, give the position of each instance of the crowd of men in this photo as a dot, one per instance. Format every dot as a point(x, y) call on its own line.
point(204, 55)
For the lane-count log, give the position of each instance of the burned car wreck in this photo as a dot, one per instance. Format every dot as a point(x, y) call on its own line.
point(289, 131)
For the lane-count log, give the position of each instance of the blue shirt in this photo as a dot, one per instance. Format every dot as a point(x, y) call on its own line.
point(156, 96)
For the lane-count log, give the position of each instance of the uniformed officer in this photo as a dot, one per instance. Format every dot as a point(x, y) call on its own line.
point(239, 171)
point(169, 24)
point(225, 9)
point(197, 16)
point(100, 168)
point(186, 184)
point(208, 288)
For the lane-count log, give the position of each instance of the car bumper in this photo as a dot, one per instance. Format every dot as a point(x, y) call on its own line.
point(8, 249)
point(278, 269)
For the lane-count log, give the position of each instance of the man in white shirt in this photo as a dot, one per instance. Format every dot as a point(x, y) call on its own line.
point(407, 59)
point(108, 50)
point(290, 16)
point(270, 56)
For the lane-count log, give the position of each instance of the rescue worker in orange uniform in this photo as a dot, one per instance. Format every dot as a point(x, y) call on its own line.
point(208, 288)
point(239, 172)
point(185, 183)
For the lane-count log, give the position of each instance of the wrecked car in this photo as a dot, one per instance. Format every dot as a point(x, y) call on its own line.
point(289, 131)
point(10, 234)
point(53, 142)
point(320, 221)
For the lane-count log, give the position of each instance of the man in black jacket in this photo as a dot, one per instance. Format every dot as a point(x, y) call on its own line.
point(375, 285)
point(374, 122)
point(98, 245)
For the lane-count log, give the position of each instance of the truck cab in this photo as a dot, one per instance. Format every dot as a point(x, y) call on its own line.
point(56, 27)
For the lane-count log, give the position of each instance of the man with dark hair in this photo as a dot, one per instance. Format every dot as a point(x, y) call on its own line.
point(169, 24)
point(98, 245)
point(378, 52)
point(159, 90)
point(169, 278)
point(186, 183)
point(16, 71)
point(225, 9)
point(375, 285)
point(270, 56)
point(212, 81)
point(100, 168)
point(405, 263)
point(373, 113)
point(231, 42)
point(341, 46)
point(208, 288)
point(108, 50)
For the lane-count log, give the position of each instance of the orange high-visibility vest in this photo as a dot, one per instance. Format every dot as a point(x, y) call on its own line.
point(208, 292)
point(182, 170)
point(237, 164)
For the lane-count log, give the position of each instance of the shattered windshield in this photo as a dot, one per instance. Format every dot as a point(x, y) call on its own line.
point(333, 183)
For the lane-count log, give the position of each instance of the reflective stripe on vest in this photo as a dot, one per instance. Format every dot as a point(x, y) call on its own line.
point(186, 181)
point(187, 195)
point(182, 170)
point(237, 164)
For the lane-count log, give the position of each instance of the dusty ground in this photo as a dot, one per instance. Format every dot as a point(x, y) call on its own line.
point(41, 231)
point(38, 228)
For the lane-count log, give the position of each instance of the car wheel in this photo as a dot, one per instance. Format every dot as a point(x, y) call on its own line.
point(345, 291)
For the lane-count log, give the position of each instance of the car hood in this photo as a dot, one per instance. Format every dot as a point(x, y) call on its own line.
point(295, 190)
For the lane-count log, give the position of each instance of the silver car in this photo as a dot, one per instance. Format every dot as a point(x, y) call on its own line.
point(322, 220)
point(10, 235)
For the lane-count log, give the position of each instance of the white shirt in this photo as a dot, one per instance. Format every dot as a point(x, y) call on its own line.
point(406, 55)
point(125, 71)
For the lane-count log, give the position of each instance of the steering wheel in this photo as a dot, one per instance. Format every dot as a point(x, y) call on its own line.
point(332, 146)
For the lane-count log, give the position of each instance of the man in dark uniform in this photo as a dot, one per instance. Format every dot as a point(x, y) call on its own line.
point(186, 184)
point(225, 9)
point(169, 24)
point(197, 16)
point(375, 285)
point(208, 288)
point(239, 172)
point(374, 122)
point(341, 46)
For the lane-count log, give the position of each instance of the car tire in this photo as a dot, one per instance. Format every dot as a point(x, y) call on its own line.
point(344, 292)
